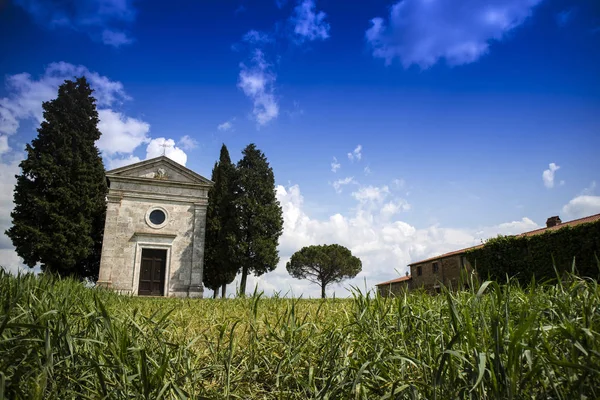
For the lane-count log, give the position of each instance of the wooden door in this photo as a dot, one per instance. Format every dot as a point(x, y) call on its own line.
point(152, 272)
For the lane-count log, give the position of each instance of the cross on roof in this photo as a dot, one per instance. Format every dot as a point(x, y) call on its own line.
point(164, 146)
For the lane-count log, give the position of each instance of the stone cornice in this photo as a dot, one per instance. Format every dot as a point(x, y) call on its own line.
point(157, 182)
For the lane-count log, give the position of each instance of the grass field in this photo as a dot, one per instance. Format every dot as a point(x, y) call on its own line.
point(60, 340)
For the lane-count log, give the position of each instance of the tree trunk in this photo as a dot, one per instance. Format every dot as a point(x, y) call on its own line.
point(323, 291)
point(243, 281)
point(224, 291)
point(215, 293)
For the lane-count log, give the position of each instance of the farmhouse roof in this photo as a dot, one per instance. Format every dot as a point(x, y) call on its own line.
point(575, 222)
point(402, 279)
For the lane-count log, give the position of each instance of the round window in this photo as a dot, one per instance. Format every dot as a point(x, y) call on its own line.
point(157, 217)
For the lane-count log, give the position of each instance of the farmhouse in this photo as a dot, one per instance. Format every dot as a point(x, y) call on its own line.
point(447, 268)
point(154, 230)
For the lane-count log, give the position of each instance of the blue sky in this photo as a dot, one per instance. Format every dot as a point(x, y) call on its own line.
point(449, 123)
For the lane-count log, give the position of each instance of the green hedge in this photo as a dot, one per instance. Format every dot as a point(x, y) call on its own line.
point(527, 256)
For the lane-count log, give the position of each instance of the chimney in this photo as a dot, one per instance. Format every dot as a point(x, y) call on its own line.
point(553, 221)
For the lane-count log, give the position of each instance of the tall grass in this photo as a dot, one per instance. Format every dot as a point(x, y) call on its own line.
point(60, 340)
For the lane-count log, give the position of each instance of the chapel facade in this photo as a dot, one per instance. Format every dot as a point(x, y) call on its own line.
point(154, 231)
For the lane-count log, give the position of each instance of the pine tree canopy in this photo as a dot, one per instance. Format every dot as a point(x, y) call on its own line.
point(324, 265)
point(260, 215)
point(58, 219)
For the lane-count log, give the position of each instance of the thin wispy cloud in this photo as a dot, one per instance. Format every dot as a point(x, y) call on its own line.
point(309, 24)
point(256, 37)
point(335, 165)
point(340, 183)
point(356, 154)
point(187, 142)
point(226, 126)
point(102, 20)
point(421, 33)
point(256, 80)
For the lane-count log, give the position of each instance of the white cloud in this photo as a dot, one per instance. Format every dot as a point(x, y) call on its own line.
point(582, 206)
point(356, 154)
point(4, 147)
point(548, 175)
point(226, 126)
point(335, 165)
point(187, 142)
point(26, 94)
point(367, 170)
point(368, 194)
point(155, 149)
point(337, 185)
point(9, 167)
point(118, 162)
point(256, 81)
point(309, 24)
point(120, 134)
point(102, 20)
point(422, 32)
point(384, 243)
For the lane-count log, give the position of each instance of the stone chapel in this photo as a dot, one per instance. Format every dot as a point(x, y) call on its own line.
point(154, 230)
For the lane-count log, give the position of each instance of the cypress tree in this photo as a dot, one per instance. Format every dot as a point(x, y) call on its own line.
point(220, 267)
point(60, 196)
point(260, 215)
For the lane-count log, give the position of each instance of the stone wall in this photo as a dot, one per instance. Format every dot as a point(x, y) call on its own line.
point(395, 288)
point(448, 272)
point(128, 231)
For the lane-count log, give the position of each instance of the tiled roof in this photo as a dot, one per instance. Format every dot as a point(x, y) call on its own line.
point(404, 278)
point(575, 222)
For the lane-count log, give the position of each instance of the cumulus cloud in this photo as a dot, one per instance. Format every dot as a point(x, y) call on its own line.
point(356, 154)
point(257, 81)
point(582, 206)
point(26, 94)
point(335, 165)
point(548, 175)
point(120, 134)
point(102, 20)
point(337, 185)
point(157, 146)
point(308, 23)
point(423, 32)
point(384, 243)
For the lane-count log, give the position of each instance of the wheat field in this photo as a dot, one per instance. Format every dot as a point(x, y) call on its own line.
point(61, 340)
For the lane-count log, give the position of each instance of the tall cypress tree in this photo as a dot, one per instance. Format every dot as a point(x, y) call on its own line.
point(220, 266)
point(260, 215)
point(60, 196)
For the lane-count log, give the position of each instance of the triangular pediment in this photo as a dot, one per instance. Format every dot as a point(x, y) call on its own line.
point(159, 168)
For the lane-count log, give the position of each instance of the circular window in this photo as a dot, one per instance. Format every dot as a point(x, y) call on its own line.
point(157, 217)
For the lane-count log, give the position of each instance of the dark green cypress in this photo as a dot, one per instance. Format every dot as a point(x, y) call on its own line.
point(220, 263)
point(60, 196)
point(260, 215)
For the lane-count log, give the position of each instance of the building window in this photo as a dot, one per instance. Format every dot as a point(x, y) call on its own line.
point(419, 271)
point(435, 267)
point(156, 217)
